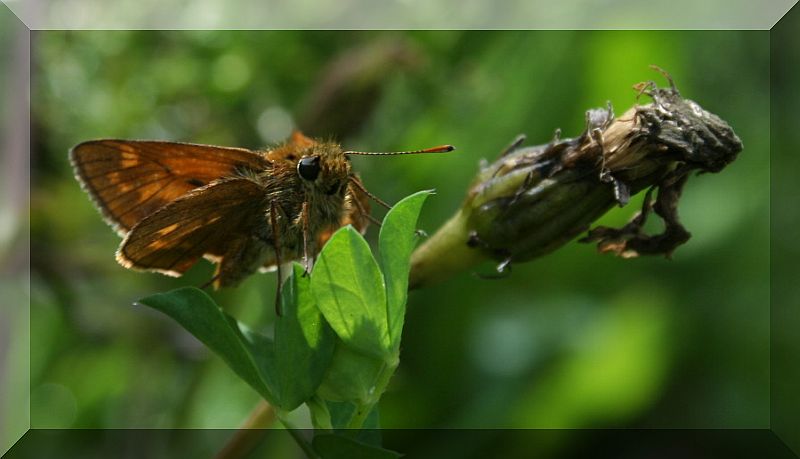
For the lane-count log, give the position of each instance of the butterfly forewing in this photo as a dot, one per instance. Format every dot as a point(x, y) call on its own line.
point(204, 221)
point(130, 180)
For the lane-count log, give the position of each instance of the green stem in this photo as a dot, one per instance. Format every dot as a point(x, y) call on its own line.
point(301, 442)
point(362, 411)
point(252, 431)
point(443, 254)
point(381, 382)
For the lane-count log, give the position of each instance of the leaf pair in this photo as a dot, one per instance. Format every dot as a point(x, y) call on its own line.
point(365, 305)
point(347, 294)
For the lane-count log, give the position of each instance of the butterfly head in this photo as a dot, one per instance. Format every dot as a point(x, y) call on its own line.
point(324, 167)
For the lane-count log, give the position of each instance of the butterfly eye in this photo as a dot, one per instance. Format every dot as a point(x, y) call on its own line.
point(308, 168)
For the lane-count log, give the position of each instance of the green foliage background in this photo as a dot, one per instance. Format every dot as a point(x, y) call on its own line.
point(573, 340)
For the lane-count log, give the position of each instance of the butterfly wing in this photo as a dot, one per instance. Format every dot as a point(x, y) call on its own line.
point(207, 220)
point(129, 180)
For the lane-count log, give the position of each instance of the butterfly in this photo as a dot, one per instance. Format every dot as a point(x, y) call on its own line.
point(244, 210)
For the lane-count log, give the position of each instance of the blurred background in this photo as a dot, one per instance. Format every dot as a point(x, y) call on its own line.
point(572, 340)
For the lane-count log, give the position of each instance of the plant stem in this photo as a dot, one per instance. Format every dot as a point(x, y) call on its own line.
point(443, 254)
point(250, 433)
point(381, 382)
point(362, 411)
point(300, 440)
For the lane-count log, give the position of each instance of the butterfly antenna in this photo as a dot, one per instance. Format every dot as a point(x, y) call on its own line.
point(439, 149)
point(364, 190)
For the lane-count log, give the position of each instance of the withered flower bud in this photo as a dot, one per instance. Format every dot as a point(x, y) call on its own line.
point(532, 200)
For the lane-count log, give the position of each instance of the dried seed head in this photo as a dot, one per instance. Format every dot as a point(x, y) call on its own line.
point(532, 200)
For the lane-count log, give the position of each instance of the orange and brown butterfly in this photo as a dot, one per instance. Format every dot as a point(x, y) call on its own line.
point(174, 203)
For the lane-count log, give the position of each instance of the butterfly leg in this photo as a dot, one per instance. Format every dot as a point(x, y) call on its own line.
point(360, 186)
point(362, 211)
point(307, 262)
point(210, 282)
point(242, 257)
point(273, 221)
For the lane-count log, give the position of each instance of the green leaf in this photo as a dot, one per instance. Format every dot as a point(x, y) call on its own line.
point(318, 411)
point(396, 242)
point(337, 446)
point(342, 412)
point(304, 342)
point(351, 376)
point(349, 290)
point(247, 353)
point(370, 432)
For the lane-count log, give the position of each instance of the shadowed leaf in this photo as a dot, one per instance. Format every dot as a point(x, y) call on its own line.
point(349, 290)
point(304, 342)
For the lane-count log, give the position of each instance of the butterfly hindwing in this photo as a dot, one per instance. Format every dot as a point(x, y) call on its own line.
point(205, 221)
